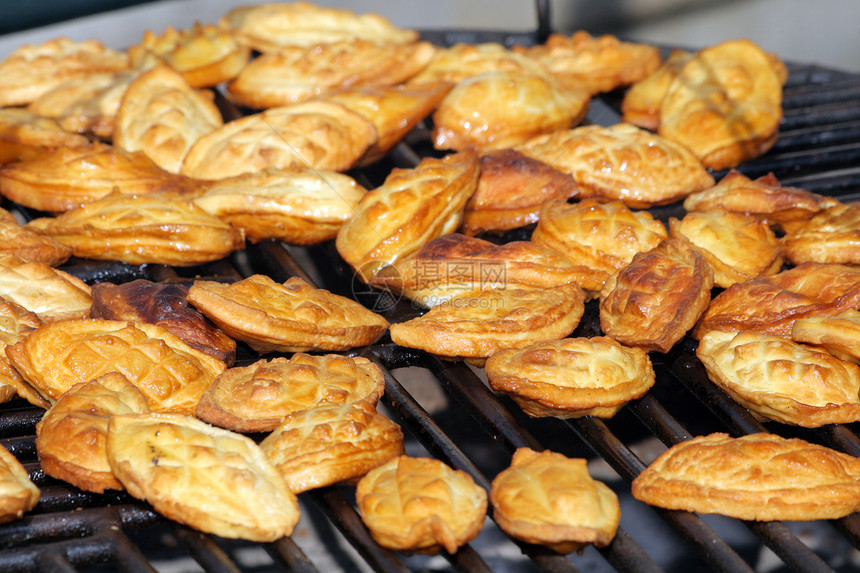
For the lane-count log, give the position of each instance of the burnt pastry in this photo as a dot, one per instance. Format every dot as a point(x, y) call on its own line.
point(410, 208)
point(761, 477)
point(71, 436)
point(288, 317)
point(18, 494)
point(622, 162)
point(460, 61)
point(549, 499)
point(641, 103)
point(18, 240)
point(331, 443)
point(421, 505)
point(297, 205)
point(839, 335)
point(830, 236)
point(162, 304)
point(652, 302)
point(25, 135)
point(571, 378)
point(51, 294)
point(16, 322)
point(212, 480)
point(258, 397)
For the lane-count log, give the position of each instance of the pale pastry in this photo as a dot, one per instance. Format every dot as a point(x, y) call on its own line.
point(258, 397)
point(331, 443)
point(50, 293)
point(162, 116)
point(652, 302)
point(71, 436)
point(212, 480)
point(571, 378)
point(460, 61)
point(18, 240)
point(25, 135)
point(622, 162)
point(549, 499)
point(421, 505)
point(18, 494)
point(297, 205)
point(16, 322)
point(778, 379)
point(761, 477)
point(410, 208)
point(830, 236)
point(641, 103)
point(839, 334)
point(288, 317)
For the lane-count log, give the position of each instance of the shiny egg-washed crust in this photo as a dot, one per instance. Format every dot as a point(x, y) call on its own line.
point(421, 505)
point(762, 477)
point(162, 116)
point(460, 61)
point(839, 335)
point(831, 236)
point(33, 69)
point(270, 27)
point(512, 187)
point(169, 373)
point(475, 327)
point(738, 247)
point(622, 162)
point(18, 494)
point(288, 317)
point(68, 177)
point(571, 378)
point(455, 265)
point(16, 322)
point(210, 479)
point(25, 135)
point(70, 437)
point(28, 245)
point(652, 302)
point(297, 205)
point(146, 229)
point(50, 293)
point(497, 110)
point(725, 104)
point(257, 398)
point(549, 499)
point(641, 103)
point(316, 134)
point(770, 304)
point(409, 209)
point(298, 73)
point(778, 379)
point(331, 443)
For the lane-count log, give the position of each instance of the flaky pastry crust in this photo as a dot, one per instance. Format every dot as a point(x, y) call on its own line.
point(16, 322)
point(831, 236)
point(28, 245)
point(641, 103)
point(460, 61)
point(25, 135)
point(52, 294)
point(839, 335)
point(18, 494)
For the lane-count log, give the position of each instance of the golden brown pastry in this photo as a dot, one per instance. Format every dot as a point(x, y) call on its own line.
point(762, 477)
point(831, 236)
point(29, 246)
point(331, 443)
point(460, 61)
point(50, 293)
point(622, 162)
point(652, 302)
point(839, 335)
point(421, 505)
point(778, 379)
point(475, 327)
point(213, 480)
point(17, 493)
point(298, 205)
point(410, 208)
point(549, 499)
point(288, 317)
point(143, 229)
point(71, 436)
point(257, 398)
point(25, 135)
point(15, 323)
point(571, 378)
point(169, 373)
point(641, 103)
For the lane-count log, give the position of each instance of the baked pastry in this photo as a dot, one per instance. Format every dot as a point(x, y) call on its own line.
point(288, 317)
point(17, 493)
point(622, 162)
point(641, 103)
point(455, 265)
point(839, 334)
point(162, 116)
point(33, 69)
point(331, 443)
point(15, 323)
point(762, 477)
point(170, 374)
point(571, 378)
point(71, 436)
point(50, 293)
point(297, 205)
point(549, 499)
point(421, 505)
point(460, 61)
point(475, 327)
point(410, 208)
point(737, 247)
point(498, 110)
point(830, 236)
point(316, 134)
point(725, 105)
point(162, 304)
point(210, 479)
point(29, 246)
point(258, 397)
point(25, 135)
point(652, 302)
point(68, 177)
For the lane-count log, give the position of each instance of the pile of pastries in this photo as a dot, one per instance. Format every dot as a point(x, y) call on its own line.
point(127, 156)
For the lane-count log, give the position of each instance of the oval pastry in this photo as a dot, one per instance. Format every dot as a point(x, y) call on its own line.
point(839, 335)
point(831, 236)
point(460, 61)
point(25, 135)
point(52, 294)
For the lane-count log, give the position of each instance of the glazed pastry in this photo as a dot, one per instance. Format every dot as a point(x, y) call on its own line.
point(18, 494)
point(830, 236)
point(641, 103)
point(16, 322)
point(18, 240)
point(25, 135)
point(50, 293)
point(839, 335)
point(460, 61)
